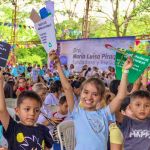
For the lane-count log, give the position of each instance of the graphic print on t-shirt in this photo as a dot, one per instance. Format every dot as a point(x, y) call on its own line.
point(25, 141)
point(139, 133)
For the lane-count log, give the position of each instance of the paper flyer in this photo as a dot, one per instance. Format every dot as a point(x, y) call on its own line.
point(4, 53)
point(46, 31)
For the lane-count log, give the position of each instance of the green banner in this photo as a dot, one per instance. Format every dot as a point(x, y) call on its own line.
point(140, 63)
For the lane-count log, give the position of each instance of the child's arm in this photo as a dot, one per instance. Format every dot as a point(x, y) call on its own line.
point(64, 81)
point(52, 121)
point(4, 115)
point(3, 148)
point(116, 103)
point(144, 79)
point(115, 146)
point(136, 85)
point(116, 137)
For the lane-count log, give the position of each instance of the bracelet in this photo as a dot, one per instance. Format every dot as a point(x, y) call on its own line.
point(125, 71)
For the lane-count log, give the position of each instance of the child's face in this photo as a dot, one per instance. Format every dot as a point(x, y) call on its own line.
point(42, 94)
point(22, 83)
point(28, 111)
point(90, 97)
point(30, 83)
point(63, 108)
point(140, 108)
point(77, 91)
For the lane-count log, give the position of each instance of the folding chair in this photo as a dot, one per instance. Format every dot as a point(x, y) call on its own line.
point(66, 134)
point(11, 102)
point(12, 113)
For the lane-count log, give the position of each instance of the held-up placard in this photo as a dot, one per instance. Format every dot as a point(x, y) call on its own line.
point(4, 53)
point(46, 31)
point(140, 63)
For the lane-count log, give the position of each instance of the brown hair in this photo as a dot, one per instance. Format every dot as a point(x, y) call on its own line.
point(140, 94)
point(22, 78)
point(28, 94)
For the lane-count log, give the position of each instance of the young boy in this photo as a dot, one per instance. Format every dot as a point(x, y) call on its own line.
point(136, 131)
point(26, 134)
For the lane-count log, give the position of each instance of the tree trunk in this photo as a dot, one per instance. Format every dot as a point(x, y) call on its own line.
point(85, 26)
point(115, 20)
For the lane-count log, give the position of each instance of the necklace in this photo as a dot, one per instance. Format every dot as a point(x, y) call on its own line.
point(96, 122)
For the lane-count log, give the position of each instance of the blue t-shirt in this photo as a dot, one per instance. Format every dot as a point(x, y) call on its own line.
point(14, 72)
point(91, 128)
point(41, 72)
point(56, 78)
point(51, 99)
point(21, 69)
point(1, 134)
point(66, 73)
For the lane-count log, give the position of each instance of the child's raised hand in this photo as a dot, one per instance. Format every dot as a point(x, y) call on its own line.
point(56, 120)
point(1, 77)
point(53, 57)
point(128, 63)
point(2, 148)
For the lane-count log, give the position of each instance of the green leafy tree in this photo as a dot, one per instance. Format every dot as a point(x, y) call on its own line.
point(121, 17)
point(32, 55)
point(68, 29)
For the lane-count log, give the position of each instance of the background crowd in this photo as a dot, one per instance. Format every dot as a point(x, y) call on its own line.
point(51, 85)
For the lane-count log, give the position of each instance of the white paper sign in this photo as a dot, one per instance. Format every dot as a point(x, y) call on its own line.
point(46, 31)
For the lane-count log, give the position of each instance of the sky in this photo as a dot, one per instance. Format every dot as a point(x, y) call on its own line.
point(80, 9)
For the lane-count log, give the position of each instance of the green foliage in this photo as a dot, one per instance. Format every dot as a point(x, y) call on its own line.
point(142, 48)
point(32, 55)
point(139, 26)
point(144, 6)
point(122, 17)
point(68, 29)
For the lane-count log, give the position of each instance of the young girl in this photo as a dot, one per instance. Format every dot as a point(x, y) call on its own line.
point(22, 86)
point(91, 125)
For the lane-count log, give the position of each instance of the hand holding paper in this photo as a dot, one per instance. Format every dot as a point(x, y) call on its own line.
point(128, 63)
point(1, 78)
point(140, 63)
point(45, 29)
point(53, 57)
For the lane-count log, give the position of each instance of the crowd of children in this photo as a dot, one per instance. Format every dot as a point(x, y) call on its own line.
point(108, 114)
